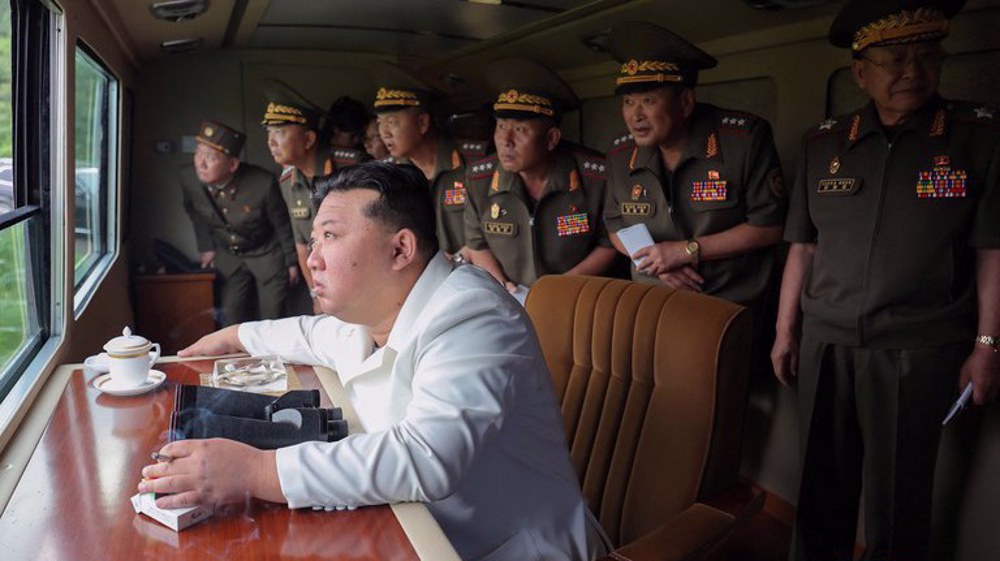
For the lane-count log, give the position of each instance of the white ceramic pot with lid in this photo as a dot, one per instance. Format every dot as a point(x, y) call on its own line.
point(130, 358)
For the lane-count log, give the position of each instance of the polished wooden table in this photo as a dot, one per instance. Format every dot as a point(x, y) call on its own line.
point(72, 500)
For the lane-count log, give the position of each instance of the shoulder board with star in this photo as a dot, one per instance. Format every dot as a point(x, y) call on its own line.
point(832, 125)
point(286, 173)
point(736, 122)
point(473, 149)
point(976, 113)
point(482, 168)
point(344, 157)
point(591, 163)
point(621, 144)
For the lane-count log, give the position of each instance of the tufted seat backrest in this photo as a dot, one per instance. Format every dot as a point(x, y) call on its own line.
point(652, 384)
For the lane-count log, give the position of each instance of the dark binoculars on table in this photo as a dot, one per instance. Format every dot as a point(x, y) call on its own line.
point(262, 421)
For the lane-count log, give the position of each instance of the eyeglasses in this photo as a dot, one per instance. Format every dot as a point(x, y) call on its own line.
point(898, 58)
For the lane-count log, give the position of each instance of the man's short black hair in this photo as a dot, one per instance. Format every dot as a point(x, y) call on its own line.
point(348, 115)
point(404, 200)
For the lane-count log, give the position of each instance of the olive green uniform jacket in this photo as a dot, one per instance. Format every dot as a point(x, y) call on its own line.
point(550, 236)
point(246, 225)
point(729, 175)
point(298, 190)
point(897, 224)
point(449, 190)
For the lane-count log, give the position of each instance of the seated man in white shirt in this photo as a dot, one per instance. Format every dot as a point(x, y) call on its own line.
point(444, 370)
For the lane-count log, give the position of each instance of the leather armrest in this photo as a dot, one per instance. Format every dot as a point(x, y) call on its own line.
point(690, 535)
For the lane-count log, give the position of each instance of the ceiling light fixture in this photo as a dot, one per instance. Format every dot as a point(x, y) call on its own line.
point(178, 10)
point(182, 46)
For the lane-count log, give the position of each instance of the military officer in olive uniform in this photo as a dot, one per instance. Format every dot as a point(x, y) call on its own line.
point(893, 279)
point(240, 224)
point(705, 181)
point(536, 207)
point(407, 128)
point(297, 140)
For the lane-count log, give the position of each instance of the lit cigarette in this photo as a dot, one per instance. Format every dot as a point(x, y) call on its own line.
point(161, 457)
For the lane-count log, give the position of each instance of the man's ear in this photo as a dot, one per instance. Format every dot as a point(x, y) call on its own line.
point(311, 138)
point(858, 71)
point(234, 164)
point(424, 121)
point(687, 102)
point(404, 249)
point(552, 138)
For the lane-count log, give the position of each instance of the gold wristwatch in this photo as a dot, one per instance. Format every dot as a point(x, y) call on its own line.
point(991, 341)
point(693, 248)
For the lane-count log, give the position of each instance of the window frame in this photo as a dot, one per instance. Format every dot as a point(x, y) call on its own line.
point(108, 187)
point(36, 90)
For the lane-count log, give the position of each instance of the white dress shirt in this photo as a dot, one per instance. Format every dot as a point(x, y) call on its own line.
point(458, 412)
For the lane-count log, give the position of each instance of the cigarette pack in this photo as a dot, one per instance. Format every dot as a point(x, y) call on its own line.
point(174, 518)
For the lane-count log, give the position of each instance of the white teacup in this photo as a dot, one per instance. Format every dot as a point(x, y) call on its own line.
point(129, 359)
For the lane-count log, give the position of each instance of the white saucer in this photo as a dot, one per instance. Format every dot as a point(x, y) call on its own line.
point(98, 362)
point(154, 379)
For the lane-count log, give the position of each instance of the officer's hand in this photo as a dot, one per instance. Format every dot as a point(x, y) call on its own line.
point(785, 358)
point(685, 278)
point(982, 368)
point(207, 259)
point(293, 275)
point(223, 341)
point(662, 257)
point(209, 471)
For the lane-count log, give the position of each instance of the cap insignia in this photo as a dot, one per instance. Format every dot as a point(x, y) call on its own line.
point(513, 100)
point(388, 97)
point(653, 71)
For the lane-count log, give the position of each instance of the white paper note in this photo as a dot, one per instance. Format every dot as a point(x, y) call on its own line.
point(634, 238)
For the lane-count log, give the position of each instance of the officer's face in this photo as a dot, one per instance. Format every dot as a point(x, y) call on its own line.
point(403, 131)
point(290, 144)
point(349, 253)
point(213, 167)
point(901, 78)
point(658, 117)
point(373, 142)
point(524, 144)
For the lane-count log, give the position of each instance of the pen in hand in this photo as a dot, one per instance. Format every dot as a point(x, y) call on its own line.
point(960, 404)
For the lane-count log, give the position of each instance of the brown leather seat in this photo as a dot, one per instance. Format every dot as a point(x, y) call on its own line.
point(652, 384)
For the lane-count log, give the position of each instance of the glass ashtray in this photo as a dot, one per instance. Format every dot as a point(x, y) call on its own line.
point(248, 372)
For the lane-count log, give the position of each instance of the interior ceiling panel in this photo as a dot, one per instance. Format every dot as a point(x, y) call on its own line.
point(450, 19)
point(354, 40)
point(146, 33)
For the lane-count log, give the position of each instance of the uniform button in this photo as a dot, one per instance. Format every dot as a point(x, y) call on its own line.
point(225, 211)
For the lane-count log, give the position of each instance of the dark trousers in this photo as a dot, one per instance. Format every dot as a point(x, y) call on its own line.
point(241, 290)
point(873, 415)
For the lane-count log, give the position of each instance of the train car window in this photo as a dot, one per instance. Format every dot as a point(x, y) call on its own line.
point(95, 173)
point(25, 225)
point(965, 76)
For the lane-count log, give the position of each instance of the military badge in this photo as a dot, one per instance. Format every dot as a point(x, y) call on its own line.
point(941, 182)
point(636, 209)
point(712, 147)
point(499, 228)
point(713, 174)
point(208, 132)
point(574, 181)
point(300, 213)
point(707, 191)
point(840, 186)
point(456, 195)
point(495, 183)
point(572, 224)
point(834, 165)
point(495, 211)
point(637, 191)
